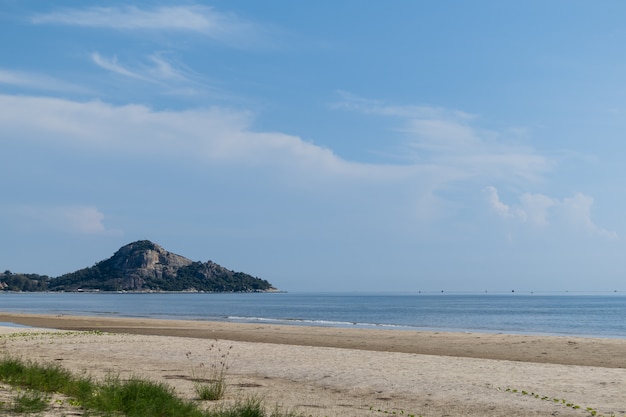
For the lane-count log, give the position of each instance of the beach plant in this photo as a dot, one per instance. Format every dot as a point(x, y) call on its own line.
point(210, 377)
point(29, 401)
point(48, 378)
point(592, 412)
point(393, 412)
point(134, 397)
point(139, 398)
point(210, 392)
point(250, 407)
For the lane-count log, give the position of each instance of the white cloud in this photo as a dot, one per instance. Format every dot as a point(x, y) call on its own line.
point(576, 210)
point(220, 134)
point(440, 134)
point(224, 136)
point(573, 213)
point(37, 82)
point(212, 134)
point(536, 208)
point(217, 137)
point(203, 20)
point(83, 220)
point(502, 209)
point(195, 18)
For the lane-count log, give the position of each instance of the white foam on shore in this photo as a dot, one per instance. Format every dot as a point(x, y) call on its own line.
point(9, 328)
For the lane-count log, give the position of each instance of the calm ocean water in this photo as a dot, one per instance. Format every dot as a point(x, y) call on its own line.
point(602, 315)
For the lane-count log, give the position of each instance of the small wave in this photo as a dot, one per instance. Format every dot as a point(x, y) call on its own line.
point(309, 322)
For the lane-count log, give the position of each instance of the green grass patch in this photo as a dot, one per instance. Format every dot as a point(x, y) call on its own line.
point(113, 397)
point(29, 402)
point(31, 375)
point(210, 391)
point(250, 407)
point(138, 398)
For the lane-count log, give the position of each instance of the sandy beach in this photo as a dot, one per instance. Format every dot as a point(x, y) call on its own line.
point(343, 372)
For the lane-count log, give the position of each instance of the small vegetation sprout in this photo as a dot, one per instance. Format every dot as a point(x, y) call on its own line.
point(210, 377)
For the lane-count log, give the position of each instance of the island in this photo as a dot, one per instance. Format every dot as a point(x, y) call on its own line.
point(141, 266)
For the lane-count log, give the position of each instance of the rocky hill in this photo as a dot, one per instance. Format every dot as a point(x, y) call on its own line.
point(146, 266)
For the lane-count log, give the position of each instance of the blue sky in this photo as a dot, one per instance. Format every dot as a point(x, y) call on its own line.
point(323, 146)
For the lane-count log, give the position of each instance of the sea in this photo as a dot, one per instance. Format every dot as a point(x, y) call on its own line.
point(561, 314)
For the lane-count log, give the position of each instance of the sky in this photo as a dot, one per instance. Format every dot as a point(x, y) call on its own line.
point(352, 145)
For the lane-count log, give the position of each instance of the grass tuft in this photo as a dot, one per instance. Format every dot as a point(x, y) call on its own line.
point(49, 378)
point(114, 397)
point(210, 378)
point(139, 398)
point(251, 407)
point(30, 402)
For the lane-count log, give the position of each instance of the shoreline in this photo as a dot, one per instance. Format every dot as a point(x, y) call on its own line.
point(319, 372)
point(564, 350)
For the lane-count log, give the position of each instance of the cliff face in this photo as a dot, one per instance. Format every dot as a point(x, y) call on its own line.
point(146, 266)
point(144, 260)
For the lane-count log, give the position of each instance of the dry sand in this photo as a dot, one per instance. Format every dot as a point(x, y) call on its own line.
point(344, 372)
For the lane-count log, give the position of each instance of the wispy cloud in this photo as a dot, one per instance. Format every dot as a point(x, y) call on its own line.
point(203, 20)
point(455, 143)
point(172, 77)
point(156, 69)
point(35, 81)
point(163, 69)
point(540, 210)
point(452, 138)
point(354, 102)
point(112, 65)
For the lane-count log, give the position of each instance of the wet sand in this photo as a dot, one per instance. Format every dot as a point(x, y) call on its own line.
point(345, 372)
